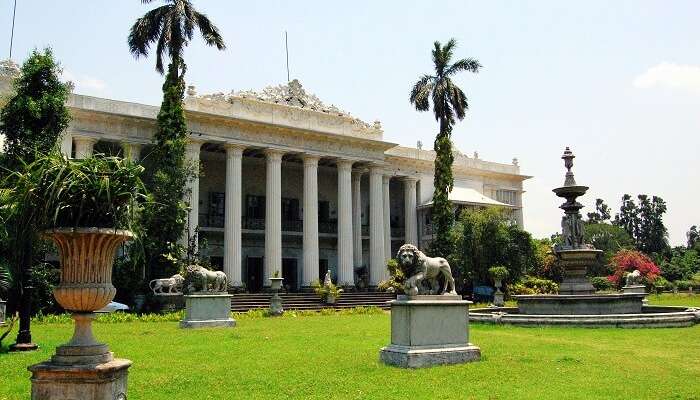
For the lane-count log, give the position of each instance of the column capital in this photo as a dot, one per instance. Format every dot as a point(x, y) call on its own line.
point(274, 154)
point(357, 174)
point(191, 141)
point(310, 159)
point(386, 178)
point(409, 178)
point(234, 148)
point(85, 139)
point(343, 163)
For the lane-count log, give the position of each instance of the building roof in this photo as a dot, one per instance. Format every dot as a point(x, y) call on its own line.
point(465, 195)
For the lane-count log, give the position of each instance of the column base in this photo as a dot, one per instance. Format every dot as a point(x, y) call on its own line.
point(421, 357)
point(106, 381)
point(24, 347)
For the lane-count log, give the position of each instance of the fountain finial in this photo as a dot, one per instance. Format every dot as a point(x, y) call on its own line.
point(568, 158)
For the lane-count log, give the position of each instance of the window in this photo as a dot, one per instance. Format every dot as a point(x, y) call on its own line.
point(507, 196)
point(290, 209)
point(217, 205)
point(255, 207)
point(324, 211)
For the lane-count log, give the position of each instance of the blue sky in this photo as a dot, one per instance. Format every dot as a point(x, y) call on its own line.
point(618, 81)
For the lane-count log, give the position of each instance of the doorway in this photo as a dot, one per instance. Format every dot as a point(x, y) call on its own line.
point(289, 273)
point(322, 269)
point(254, 280)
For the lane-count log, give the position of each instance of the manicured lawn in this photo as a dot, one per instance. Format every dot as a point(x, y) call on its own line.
point(677, 299)
point(336, 357)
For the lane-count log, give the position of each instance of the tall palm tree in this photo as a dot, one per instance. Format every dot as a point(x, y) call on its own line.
point(449, 101)
point(171, 27)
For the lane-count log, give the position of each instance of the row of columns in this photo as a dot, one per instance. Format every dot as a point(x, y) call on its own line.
point(349, 212)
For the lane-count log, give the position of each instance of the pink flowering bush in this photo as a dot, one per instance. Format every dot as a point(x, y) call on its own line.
point(626, 261)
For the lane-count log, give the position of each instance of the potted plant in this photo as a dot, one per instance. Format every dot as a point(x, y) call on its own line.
point(498, 273)
point(328, 292)
point(276, 281)
point(88, 209)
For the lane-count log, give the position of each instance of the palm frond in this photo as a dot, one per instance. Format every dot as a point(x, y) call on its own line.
point(420, 94)
point(209, 31)
point(465, 64)
point(146, 30)
point(457, 99)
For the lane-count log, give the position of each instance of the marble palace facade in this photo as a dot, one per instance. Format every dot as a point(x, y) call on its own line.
point(313, 188)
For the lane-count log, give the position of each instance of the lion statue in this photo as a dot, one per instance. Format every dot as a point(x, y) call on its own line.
point(418, 268)
point(172, 285)
point(633, 278)
point(200, 279)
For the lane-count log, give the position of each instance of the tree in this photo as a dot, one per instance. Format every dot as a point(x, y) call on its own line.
point(483, 238)
point(693, 236)
point(682, 265)
point(643, 221)
point(601, 213)
point(32, 122)
point(608, 238)
point(449, 101)
point(170, 27)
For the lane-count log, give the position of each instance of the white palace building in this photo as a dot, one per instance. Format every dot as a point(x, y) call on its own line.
point(312, 188)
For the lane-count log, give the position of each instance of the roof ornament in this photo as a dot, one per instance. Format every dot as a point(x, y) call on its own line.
point(9, 68)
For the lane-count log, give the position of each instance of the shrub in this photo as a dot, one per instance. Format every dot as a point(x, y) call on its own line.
point(396, 278)
point(44, 278)
point(661, 284)
point(326, 291)
point(498, 272)
point(626, 261)
point(685, 285)
point(602, 283)
point(534, 285)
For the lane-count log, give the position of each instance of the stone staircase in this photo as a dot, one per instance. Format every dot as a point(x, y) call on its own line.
point(310, 301)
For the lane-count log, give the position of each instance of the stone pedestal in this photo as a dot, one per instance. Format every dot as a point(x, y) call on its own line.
point(575, 263)
point(105, 381)
point(203, 310)
point(634, 289)
point(276, 304)
point(428, 331)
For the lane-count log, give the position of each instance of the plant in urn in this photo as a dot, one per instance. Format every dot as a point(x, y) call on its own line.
point(89, 209)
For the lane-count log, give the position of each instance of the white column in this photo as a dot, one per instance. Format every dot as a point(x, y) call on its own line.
point(345, 239)
point(232, 215)
point(192, 196)
point(83, 146)
point(387, 218)
point(67, 145)
point(411, 219)
point(377, 263)
point(273, 216)
point(310, 272)
point(132, 151)
point(357, 218)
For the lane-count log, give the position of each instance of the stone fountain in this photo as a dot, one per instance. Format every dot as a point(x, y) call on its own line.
point(577, 303)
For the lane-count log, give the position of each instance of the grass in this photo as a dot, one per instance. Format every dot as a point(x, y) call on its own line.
point(335, 356)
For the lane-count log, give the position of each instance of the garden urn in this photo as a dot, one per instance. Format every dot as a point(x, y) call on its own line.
point(331, 299)
point(276, 283)
point(86, 256)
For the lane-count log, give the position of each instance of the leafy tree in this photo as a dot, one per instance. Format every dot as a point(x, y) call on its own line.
point(449, 101)
point(545, 265)
point(682, 265)
point(483, 238)
point(608, 238)
point(170, 27)
point(693, 236)
point(32, 122)
point(601, 214)
point(644, 222)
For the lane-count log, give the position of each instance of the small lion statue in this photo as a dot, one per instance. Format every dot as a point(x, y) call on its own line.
point(633, 278)
point(172, 285)
point(419, 267)
point(200, 279)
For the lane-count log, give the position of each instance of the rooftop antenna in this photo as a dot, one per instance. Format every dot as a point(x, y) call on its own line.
point(12, 35)
point(286, 49)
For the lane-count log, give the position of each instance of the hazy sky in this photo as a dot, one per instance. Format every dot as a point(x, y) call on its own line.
point(618, 81)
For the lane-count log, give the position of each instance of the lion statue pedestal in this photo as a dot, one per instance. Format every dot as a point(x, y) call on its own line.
point(428, 329)
point(207, 303)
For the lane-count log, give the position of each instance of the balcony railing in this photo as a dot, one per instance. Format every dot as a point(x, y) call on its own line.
point(211, 221)
point(292, 226)
point(328, 227)
point(258, 224)
point(254, 224)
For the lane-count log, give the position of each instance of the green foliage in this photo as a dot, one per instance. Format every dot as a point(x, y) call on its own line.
point(686, 284)
point(486, 237)
point(5, 279)
point(682, 265)
point(171, 28)
point(601, 283)
point(498, 272)
point(545, 265)
point(35, 117)
point(104, 192)
point(643, 221)
point(396, 278)
point(449, 101)
point(44, 277)
point(608, 238)
point(601, 213)
point(534, 285)
point(693, 236)
point(167, 175)
point(326, 292)
point(661, 284)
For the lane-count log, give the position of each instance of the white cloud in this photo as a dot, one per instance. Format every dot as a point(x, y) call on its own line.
point(670, 75)
point(83, 83)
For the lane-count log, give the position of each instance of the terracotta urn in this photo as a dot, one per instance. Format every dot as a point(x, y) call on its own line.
point(86, 256)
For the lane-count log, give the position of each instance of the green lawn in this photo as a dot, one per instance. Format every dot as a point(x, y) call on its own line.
point(336, 357)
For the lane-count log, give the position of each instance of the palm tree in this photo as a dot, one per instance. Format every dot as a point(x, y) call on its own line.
point(449, 101)
point(171, 27)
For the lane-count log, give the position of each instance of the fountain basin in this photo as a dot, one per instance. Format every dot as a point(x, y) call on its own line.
point(598, 304)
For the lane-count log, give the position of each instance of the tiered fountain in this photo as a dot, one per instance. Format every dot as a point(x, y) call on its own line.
point(577, 303)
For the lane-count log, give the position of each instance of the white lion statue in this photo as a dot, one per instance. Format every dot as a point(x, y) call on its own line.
point(200, 279)
point(419, 267)
point(172, 285)
point(633, 278)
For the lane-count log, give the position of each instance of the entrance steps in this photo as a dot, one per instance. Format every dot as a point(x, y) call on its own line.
point(310, 301)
